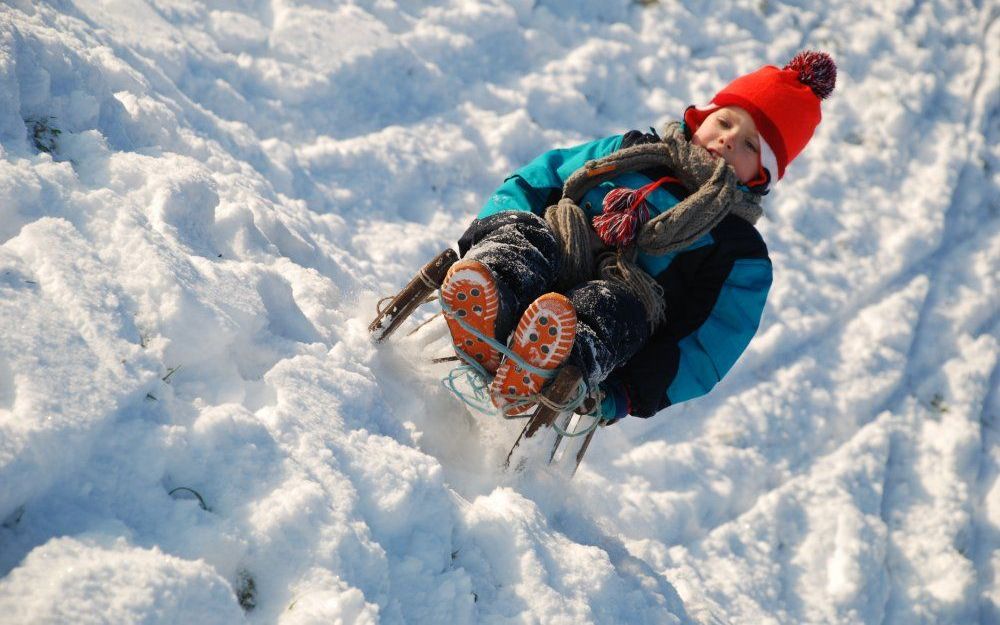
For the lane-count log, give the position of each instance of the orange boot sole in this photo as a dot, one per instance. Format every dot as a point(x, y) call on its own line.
point(543, 338)
point(470, 292)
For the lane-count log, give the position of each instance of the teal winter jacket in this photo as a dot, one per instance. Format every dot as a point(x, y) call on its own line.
point(715, 289)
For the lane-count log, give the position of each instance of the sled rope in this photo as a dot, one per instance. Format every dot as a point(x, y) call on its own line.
point(500, 347)
point(572, 405)
point(427, 280)
point(388, 298)
point(424, 323)
point(381, 303)
point(578, 397)
point(479, 385)
point(587, 430)
point(479, 379)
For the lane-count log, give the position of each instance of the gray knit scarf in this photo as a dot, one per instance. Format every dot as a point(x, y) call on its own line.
point(716, 192)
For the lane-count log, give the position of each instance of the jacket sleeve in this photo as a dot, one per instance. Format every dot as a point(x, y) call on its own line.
point(715, 298)
point(530, 187)
point(537, 185)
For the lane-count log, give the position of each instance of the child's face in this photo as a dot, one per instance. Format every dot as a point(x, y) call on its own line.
point(730, 133)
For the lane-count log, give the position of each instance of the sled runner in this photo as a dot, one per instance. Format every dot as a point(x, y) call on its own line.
point(552, 432)
point(415, 293)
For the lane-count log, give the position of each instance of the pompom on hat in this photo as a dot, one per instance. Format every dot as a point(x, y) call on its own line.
point(783, 103)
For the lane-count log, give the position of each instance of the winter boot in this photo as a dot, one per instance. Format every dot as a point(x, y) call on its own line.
point(470, 295)
point(543, 338)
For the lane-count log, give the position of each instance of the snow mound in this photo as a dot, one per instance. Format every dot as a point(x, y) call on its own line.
point(83, 581)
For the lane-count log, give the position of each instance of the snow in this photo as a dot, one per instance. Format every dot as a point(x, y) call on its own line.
point(114, 583)
point(202, 203)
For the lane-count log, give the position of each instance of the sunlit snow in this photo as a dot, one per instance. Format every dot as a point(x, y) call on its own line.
point(201, 203)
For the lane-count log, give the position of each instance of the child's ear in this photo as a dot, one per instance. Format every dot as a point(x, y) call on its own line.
point(761, 184)
point(691, 120)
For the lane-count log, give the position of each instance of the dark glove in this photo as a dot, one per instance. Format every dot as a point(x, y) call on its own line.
point(612, 399)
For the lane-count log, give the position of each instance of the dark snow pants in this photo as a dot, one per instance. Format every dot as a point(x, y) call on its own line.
point(524, 256)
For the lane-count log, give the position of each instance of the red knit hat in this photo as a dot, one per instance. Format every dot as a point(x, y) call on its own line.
point(784, 104)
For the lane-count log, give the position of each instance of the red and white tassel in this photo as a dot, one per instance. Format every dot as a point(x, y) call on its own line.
point(624, 213)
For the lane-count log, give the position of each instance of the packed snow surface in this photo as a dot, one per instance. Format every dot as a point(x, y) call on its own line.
point(202, 201)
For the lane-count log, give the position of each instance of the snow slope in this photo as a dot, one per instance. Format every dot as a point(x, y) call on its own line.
point(201, 202)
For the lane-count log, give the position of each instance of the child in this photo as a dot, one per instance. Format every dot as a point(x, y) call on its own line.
point(635, 257)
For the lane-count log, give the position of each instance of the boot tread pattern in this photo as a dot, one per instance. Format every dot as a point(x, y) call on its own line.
point(543, 338)
point(470, 291)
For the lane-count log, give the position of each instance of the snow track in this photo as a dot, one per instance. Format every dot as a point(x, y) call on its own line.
point(202, 201)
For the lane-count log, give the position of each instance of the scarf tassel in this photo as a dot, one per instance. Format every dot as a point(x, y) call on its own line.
point(624, 213)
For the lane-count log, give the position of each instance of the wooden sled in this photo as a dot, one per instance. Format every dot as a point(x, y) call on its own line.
point(547, 426)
